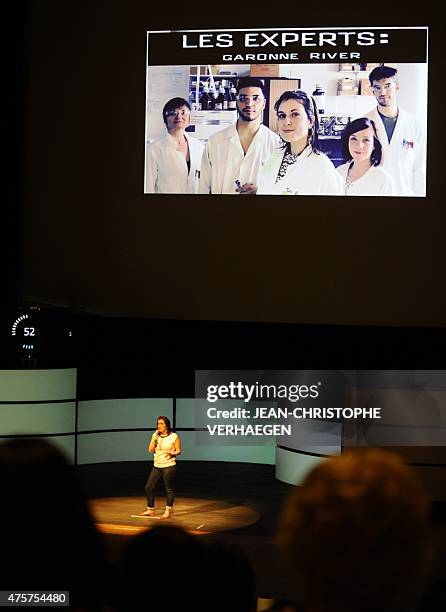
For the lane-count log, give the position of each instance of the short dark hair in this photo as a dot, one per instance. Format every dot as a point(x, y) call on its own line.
point(382, 72)
point(173, 104)
point(311, 111)
point(356, 126)
point(250, 82)
point(166, 420)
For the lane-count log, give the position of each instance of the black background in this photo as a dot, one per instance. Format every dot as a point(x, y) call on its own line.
point(325, 283)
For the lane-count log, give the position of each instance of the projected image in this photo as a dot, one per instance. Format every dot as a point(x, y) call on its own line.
point(338, 113)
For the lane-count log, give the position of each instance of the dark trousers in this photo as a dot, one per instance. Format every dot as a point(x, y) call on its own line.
point(168, 474)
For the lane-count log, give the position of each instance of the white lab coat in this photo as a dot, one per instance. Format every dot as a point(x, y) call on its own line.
point(311, 174)
point(166, 168)
point(405, 157)
point(224, 160)
point(375, 182)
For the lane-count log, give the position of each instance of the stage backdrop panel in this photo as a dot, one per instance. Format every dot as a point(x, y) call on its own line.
point(128, 413)
point(39, 418)
point(37, 385)
point(105, 447)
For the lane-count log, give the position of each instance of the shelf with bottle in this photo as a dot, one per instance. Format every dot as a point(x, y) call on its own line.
point(213, 94)
point(356, 85)
point(357, 67)
point(366, 68)
point(210, 89)
point(359, 84)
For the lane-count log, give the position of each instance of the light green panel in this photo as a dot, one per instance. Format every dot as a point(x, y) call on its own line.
point(122, 413)
point(37, 418)
point(185, 413)
point(113, 446)
point(193, 451)
point(37, 385)
point(292, 467)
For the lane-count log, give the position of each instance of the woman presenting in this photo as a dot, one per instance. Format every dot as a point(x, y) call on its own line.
point(173, 162)
point(166, 445)
point(299, 167)
point(362, 174)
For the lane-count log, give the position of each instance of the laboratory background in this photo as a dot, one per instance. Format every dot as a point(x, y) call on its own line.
point(341, 91)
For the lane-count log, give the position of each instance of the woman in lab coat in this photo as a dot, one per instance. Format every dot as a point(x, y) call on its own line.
point(173, 162)
point(298, 168)
point(362, 174)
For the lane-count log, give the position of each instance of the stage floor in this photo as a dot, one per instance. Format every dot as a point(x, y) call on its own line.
point(118, 515)
point(222, 496)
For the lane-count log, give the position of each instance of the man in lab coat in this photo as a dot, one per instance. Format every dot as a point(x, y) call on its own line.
point(400, 133)
point(233, 157)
